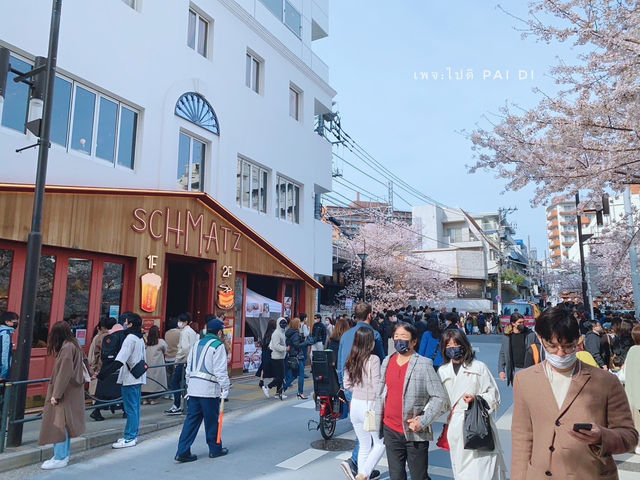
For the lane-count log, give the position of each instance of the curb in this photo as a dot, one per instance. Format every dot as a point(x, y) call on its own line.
point(25, 456)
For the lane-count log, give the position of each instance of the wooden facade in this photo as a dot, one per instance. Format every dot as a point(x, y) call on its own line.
point(146, 231)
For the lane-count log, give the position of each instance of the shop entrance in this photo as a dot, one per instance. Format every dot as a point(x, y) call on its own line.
point(189, 288)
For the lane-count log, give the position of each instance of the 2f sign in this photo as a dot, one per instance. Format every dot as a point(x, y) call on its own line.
point(227, 271)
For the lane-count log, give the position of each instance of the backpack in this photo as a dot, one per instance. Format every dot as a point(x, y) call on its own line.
point(111, 345)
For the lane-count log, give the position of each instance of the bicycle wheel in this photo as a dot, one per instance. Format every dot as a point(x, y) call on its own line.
point(327, 427)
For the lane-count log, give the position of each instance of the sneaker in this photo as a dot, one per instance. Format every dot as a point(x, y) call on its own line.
point(97, 416)
point(282, 396)
point(375, 474)
point(153, 402)
point(122, 443)
point(52, 464)
point(265, 390)
point(347, 468)
point(173, 411)
point(145, 402)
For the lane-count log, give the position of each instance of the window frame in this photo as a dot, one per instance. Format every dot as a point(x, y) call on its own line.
point(295, 213)
point(299, 98)
point(200, 17)
point(240, 186)
point(259, 73)
point(203, 168)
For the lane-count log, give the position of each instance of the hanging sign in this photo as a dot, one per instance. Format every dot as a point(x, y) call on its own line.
point(225, 297)
point(149, 292)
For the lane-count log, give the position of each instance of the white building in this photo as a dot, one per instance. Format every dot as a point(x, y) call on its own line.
point(213, 95)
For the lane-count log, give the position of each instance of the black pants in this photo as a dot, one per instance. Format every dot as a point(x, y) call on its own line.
point(401, 452)
point(277, 368)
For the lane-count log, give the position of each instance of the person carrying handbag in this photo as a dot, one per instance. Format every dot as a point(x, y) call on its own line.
point(361, 378)
point(466, 381)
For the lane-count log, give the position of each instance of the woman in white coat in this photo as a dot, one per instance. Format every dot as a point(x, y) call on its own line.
point(464, 378)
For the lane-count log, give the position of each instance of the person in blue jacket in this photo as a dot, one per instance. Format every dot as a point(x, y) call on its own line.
point(430, 344)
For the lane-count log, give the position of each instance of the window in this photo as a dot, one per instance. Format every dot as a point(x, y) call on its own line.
point(197, 33)
point(76, 304)
point(190, 163)
point(101, 126)
point(251, 189)
point(6, 262)
point(193, 107)
point(288, 200)
point(252, 77)
point(44, 295)
point(274, 6)
point(317, 206)
point(112, 278)
point(16, 102)
point(294, 103)
point(455, 234)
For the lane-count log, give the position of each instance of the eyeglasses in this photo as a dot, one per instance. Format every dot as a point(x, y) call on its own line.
point(556, 348)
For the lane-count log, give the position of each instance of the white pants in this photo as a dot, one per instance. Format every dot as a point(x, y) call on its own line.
point(371, 446)
point(317, 347)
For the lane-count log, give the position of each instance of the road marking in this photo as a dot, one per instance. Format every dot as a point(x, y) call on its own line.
point(628, 457)
point(310, 404)
point(504, 422)
point(302, 459)
point(627, 475)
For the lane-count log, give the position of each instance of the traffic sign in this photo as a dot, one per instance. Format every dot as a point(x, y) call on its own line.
point(498, 298)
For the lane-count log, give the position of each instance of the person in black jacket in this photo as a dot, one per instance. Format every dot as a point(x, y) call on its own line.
point(319, 333)
point(296, 348)
point(593, 342)
point(515, 342)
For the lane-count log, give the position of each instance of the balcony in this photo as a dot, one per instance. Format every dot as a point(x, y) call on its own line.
point(554, 244)
point(552, 216)
point(553, 224)
point(555, 233)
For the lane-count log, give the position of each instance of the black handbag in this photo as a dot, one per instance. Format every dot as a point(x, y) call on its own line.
point(478, 434)
point(138, 369)
point(292, 363)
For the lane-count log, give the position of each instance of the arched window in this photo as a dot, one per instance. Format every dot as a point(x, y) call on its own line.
point(194, 108)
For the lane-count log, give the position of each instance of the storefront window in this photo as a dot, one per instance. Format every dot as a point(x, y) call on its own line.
point(238, 310)
point(43, 301)
point(6, 261)
point(111, 289)
point(76, 305)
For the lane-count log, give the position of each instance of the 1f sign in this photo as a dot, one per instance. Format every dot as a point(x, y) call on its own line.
point(153, 261)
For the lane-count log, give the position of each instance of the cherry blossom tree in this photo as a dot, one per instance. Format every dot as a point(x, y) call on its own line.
point(587, 136)
point(395, 274)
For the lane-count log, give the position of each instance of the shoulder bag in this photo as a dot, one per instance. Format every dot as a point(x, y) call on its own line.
point(478, 434)
point(443, 441)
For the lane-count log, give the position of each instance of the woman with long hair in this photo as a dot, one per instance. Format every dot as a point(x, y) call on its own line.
point(341, 326)
point(465, 379)
point(156, 377)
point(361, 378)
point(409, 399)
point(265, 370)
point(63, 413)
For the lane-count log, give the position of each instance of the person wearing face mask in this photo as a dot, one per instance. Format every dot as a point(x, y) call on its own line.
point(410, 398)
point(188, 338)
point(8, 325)
point(465, 378)
point(515, 342)
point(278, 347)
point(569, 418)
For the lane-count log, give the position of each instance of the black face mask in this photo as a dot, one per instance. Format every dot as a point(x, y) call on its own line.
point(455, 353)
point(520, 328)
point(401, 346)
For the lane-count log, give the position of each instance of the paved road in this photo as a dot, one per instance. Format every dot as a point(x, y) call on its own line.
point(272, 442)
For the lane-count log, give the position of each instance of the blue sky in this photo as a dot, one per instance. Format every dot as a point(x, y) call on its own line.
point(375, 50)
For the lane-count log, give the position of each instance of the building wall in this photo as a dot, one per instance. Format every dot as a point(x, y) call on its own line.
point(141, 58)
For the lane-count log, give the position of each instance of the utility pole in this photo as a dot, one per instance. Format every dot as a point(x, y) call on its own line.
point(34, 242)
point(633, 253)
point(583, 273)
point(390, 199)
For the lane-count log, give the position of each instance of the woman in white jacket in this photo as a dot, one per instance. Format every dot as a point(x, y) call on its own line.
point(464, 379)
point(278, 348)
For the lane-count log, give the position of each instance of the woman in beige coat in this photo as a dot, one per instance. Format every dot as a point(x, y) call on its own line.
point(63, 414)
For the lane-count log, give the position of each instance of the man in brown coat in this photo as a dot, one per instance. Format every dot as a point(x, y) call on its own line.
point(569, 418)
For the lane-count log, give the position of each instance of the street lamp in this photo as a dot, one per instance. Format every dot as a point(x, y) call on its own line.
point(363, 257)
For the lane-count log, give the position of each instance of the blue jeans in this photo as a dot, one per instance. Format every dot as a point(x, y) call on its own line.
point(200, 408)
point(131, 395)
point(63, 449)
point(291, 376)
point(176, 383)
point(354, 455)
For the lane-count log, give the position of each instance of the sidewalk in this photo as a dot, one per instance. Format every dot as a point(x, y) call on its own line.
point(244, 394)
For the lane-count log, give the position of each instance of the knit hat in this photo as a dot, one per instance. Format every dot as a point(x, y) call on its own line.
point(215, 325)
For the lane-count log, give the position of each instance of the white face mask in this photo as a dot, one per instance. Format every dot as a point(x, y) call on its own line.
point(180, 324)
point(560, 363)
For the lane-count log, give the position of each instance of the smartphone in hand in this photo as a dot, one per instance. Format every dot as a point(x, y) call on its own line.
point(582, 426)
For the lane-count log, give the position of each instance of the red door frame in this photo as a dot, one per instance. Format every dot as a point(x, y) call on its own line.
point(42, 365)
point(237, 348)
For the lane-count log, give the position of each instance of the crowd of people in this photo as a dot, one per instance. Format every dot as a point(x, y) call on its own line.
point(576, 385)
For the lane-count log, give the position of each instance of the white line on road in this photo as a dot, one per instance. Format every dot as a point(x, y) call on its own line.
point(504, 422)
point(302, 459)
point(310, 404)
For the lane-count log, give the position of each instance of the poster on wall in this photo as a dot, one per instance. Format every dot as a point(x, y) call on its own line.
point(252, 355)
point(258, 311)
point(149, 292)
point(114, 311)
point(81, 336)
point(287, 307)
point(148, 322)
